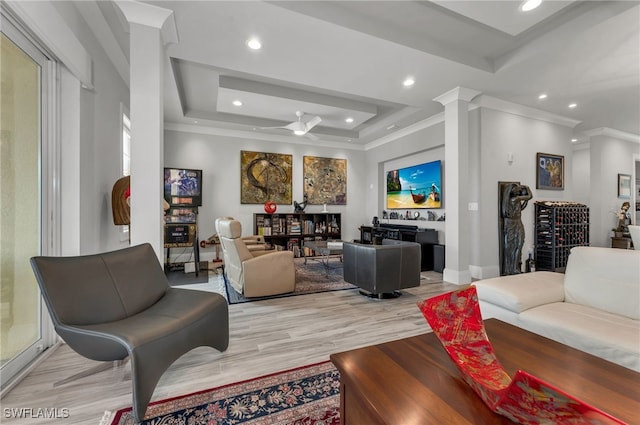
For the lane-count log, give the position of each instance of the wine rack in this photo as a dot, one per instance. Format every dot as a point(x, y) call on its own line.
point(559, 226)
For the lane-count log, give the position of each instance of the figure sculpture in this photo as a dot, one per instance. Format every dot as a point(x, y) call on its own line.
point(624, 219)
point(299, 208)
point(514, 199)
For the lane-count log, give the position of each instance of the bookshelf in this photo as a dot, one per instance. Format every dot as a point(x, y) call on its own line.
point(559, 226)
point(289, 230)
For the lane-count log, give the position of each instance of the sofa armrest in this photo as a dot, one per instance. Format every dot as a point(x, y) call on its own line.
point(523, 291)
point(273, 273)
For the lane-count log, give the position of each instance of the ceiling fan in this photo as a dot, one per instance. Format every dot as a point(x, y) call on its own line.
point(301, 128)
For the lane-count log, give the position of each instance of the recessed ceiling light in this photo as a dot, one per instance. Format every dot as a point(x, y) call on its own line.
point(237, 103)
point(574, 140)
point(349, 120)
point(529, 5)
point(542, 96)
point(195, 122)
point(573, 105)
point(408, 82)
point(254, 44)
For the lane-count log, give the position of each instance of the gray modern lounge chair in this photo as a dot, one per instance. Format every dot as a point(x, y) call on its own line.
point(119, 304)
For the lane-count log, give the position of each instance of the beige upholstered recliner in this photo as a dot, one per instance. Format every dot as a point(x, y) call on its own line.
point(254, 242)
point(254, 273)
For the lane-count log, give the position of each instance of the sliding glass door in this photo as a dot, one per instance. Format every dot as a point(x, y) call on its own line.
point(22, 68)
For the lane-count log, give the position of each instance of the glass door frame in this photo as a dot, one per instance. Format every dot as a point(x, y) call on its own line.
point(48, 164)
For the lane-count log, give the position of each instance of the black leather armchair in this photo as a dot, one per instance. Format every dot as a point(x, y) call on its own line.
point(119, 304)
point(381, 271)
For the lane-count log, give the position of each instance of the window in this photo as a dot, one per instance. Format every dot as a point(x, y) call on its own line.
point(125, 168)
point(126, 144)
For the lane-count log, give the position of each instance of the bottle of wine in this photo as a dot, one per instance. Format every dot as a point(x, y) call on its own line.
point(527, 264)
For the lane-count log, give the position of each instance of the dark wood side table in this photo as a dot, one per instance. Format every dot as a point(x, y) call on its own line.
point(413, 380)
point(622, 243)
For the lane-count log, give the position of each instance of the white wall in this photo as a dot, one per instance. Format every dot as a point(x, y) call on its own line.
point(608, 158)
point(581, 173)
point(100, 139)
point(503, 133)
point(493, 135)
point(219, 159)
point(424, 145)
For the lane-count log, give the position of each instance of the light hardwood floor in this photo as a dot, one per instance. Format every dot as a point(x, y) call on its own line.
point(265, 337)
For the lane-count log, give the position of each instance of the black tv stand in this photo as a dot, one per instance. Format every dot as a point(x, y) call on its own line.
point(427, 238)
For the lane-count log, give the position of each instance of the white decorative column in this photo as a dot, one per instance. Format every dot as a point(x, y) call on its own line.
point(456, 183)
point(151, 28)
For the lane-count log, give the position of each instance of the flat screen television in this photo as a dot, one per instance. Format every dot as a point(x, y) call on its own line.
point(418, 186)
point(183, 187)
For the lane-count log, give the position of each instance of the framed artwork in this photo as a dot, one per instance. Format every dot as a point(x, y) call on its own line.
point(549, 171)
point(265, 177)
point(325, 180)
point(624, 186)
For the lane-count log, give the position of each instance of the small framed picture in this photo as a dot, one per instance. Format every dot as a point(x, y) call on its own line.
point(549, 171)
point(624, 186)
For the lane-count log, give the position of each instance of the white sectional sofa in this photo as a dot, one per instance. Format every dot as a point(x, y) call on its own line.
point(594, 306)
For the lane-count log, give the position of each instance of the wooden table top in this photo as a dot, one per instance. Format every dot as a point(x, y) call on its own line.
point(413, 380)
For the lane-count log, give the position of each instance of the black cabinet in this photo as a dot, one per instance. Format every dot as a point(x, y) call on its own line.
point(427, 238)
point(438, 258)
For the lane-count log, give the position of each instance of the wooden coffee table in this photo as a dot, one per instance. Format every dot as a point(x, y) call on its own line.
point(413, 381)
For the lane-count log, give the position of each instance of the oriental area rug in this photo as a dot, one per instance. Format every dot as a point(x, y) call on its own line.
point(311, 278)
point(308, 395)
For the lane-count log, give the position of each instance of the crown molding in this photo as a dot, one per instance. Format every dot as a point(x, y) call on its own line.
point(490, 102)
point(47, 25)
point(249, 135)
point(458, 93)
point(616, 134)
point(95, 19)
point(151, 16)
point(428, 122)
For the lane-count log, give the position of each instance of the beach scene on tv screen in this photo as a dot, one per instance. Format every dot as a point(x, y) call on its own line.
point(419, 186)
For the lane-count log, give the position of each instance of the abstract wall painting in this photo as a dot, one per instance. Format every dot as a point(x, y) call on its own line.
point(265, 177)
point(325, 180)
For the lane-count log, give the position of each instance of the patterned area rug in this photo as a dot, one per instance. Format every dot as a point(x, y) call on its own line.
point(309, 395)
point(311, 278)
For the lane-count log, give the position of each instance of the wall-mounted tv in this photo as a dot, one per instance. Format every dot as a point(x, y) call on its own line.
point(419, 186)
point(183, 187)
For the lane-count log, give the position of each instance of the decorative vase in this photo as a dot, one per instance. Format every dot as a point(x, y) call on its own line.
point(270, 207)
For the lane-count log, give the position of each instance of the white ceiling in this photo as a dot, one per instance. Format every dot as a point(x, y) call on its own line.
point(348, 58)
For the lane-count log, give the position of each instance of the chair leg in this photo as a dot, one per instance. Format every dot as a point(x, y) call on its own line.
point(92, 371)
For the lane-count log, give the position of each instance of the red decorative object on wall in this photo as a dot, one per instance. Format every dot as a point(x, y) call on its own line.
point(457, 322)
point(270, 207)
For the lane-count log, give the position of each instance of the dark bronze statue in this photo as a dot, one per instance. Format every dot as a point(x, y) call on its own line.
point(514, 199)
point(299, 208)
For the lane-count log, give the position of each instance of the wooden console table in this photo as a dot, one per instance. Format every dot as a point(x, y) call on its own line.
point(413, 380)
